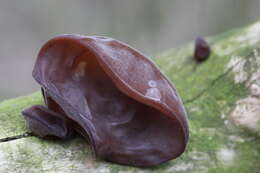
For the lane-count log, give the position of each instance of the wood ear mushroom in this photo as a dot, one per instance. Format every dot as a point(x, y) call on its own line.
point(112, 95)
point(201, 50)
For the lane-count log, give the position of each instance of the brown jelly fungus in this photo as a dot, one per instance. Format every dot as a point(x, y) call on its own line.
point(113, 96)
point(202, 49)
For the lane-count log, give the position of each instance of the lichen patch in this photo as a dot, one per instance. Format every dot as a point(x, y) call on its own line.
point(237, 139)
point(237, 65)
point(196, 155)
point(255, 90)
point(247, 111)
point(247, 114)
point(226, 156)
point(252, 35)
point(182, 167)
point(3, 161)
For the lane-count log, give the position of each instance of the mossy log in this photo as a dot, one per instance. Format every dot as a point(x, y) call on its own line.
point(222, 99)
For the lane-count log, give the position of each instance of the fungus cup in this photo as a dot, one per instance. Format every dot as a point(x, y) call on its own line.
point(112, 95)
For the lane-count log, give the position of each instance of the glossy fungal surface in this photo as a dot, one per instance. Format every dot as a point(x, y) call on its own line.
point(202, 49)
point(112, 95)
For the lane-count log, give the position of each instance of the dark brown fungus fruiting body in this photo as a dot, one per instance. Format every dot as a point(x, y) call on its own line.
point(111, 94)
point(202, 49)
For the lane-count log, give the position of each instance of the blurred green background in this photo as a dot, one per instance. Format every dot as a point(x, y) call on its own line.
point(151, 26)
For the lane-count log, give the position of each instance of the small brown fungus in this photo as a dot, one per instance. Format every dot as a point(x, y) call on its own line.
point(202, 49)
point(113, 96)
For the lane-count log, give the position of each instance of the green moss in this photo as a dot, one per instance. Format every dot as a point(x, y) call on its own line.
point(190, 77)
point(209, 91)
point(246, 160)
point(11, 120)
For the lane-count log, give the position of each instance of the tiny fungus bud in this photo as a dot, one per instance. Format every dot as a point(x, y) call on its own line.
point(202, 50)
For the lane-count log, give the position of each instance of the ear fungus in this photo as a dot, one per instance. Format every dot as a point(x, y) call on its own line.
point(201, 50)
point(113, 95)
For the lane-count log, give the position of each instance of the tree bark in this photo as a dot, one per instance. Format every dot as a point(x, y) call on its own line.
point(221, 96)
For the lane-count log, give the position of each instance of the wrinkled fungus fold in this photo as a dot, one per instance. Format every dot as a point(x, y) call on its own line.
point(112, 95)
